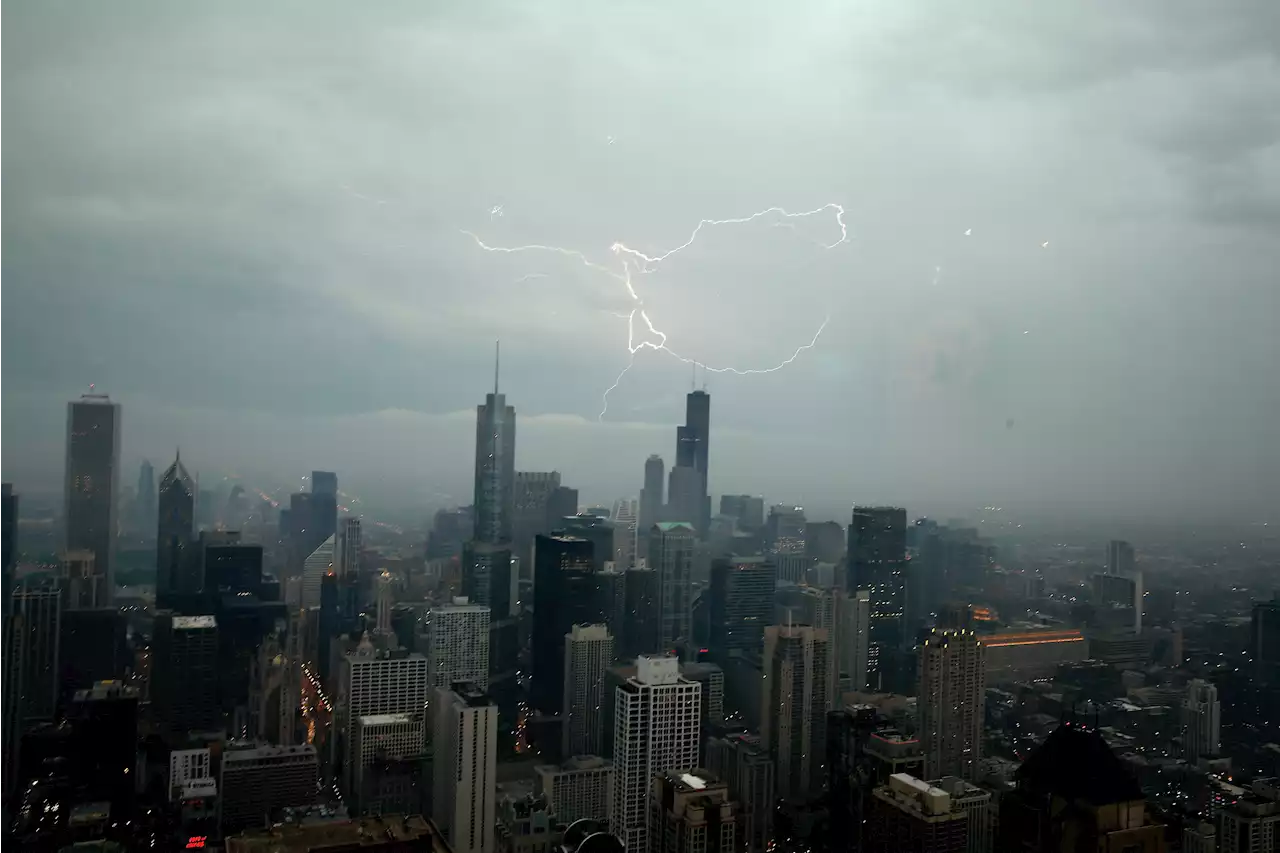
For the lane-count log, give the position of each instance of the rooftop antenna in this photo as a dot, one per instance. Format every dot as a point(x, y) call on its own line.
point(497, 360)
point(693, 375)
point(704, 377)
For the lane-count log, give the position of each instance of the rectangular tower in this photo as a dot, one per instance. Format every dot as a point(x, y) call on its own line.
point(465, 767)
point(794, 700)
point(92, 481)
point(458, 644)
point(877, 562)
point(951, 701)
point(588, 652)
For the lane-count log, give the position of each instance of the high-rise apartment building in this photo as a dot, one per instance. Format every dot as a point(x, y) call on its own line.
point(93, 481)
point(579, 787)
point(465, 767)
point(795, 697)
point(184, 675)
point(588, 652)
point(655, 729)
point(877, 562)
point(691, 812)
point(951, 702)
point(1201, 721)
point(741, 605)
point(744, 763)
point(374, 681)
point(564, 595)
point(911, 814)
point(175, 528)
point(1252, 822)
point(671, 547)
point(458, 644)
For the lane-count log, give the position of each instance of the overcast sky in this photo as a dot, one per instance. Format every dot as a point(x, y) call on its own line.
point(243, 221)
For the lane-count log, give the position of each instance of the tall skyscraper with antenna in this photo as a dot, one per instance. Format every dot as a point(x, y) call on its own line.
point(690, 472)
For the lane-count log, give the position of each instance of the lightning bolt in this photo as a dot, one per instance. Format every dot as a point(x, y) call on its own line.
point(637, 262)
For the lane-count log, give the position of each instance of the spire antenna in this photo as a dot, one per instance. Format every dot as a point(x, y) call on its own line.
point(497, 361)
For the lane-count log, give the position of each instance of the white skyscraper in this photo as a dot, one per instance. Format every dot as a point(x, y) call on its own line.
point(465, 768)
point(350, 539)
point(1201, 720)
point(588, 651)
point(656, 728)
point(625, 519)
point(316, 566)
point(375, 681)
point(951, 702)
point(458, 644)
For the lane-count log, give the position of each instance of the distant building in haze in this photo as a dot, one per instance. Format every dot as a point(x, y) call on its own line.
point(671, 547)
point(92, 481)
point(175, 527)
point(951, 703)
point(877, 561)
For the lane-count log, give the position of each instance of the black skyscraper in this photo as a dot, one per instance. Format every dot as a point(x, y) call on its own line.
point(740, 604)
point(175, 527)
point(877, 561)
point(92, 480)
point(652, 495)
point(641, 632)
point(564, 594)
point(693, 448)
point(184, 675)
point(495, 466)
point(9, 520)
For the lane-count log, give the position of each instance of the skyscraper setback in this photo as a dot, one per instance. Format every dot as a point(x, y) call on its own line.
point(692, 453)
point(92, 481)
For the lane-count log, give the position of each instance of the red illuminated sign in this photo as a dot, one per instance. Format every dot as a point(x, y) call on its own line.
point(195, 842)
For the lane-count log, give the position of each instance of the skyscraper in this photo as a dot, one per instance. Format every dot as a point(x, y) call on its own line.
point(1201, 720)
point(374, 681)
point(746, 510)
point(184, 674)
point(564, 595)
point(795, 698)
point(876, 562)
point(741, 605)
point(651, 496)
point(693, 445)
point(588, 651)
point(32, 656)
point(324, 483)
point(495, 466)
point(458, 644)
point(317, 564)
point(533, 490)
point(951, 701)
point(175, 526)
point(692, 812)
point(655, 729)
point(1120, 558)
point(8, 539)
point(465, 765)
point(625, 515)
point(92, 481)
point(671, 545)
point(145, 500)
point(742, 761)
point(641, 629)
point(350, 541)
point(853, 619)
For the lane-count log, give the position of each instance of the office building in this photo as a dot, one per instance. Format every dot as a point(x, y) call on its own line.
point(853, 632)
point(795, 698)
point(1119, 600)
point(33, 628)
point(1120, 558)
point(597, 530)
point(318, 563)
point(588, 652)
point(691, 812)
point(92, 647)
point(742, 761)
point(380, 740)
point(1201, 721)
point(390, 833)
point(824, 541)
point(951, 702)
point(487, 578)
point(740, 605)
point(104, 717)
point(656, 729)
point(184, 675)
point(876, 561)
point(1073, 786)
point(465, 767)
point(350, 544)
point(711, 678)
point(458, 644)
point(1264, 640)
point(641, 632)
point(259, 781)
point(671, 547)
point(784, 530)
point(625, 519)
point(495, 471)
point(684, 496)
point(564, 595)
point(579, 787)
point(652, 496)
point(93, 481)
point(889, 751)
point(746, 510)
point(83, 587)
point(374, 681)
point(8, 539)
point(175, 528)
point(187, 766)
point(911, 814)
point(531, 502)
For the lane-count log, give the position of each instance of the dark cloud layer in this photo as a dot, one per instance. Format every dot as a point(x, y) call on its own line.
point(244, 221)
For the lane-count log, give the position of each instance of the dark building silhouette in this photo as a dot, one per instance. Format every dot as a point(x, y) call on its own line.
point(877, 561)
point(740, 606)
point(145, 500)
point(651, 495)
point(495, 467)
point(9, 538)
point(175, 526)
point(641, 632)
point(232, 567)
point(92, 648)
point(596, 530)
point(564, 594)
point(562, 503)
point(746, 510)
point(693, 446)
point(850, 774)
point(184, 675)
point(1264, 640)
point(104, 719)
point(1074, 795)
point(92, 481)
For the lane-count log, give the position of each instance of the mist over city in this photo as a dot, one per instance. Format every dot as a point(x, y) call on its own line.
point(495, 426)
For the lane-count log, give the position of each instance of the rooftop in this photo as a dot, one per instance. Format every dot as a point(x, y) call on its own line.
point(189, 623)
point(668, 526)
point(346, 835)
point(385, 719)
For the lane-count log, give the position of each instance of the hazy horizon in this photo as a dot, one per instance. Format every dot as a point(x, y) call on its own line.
point(1058, 290)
